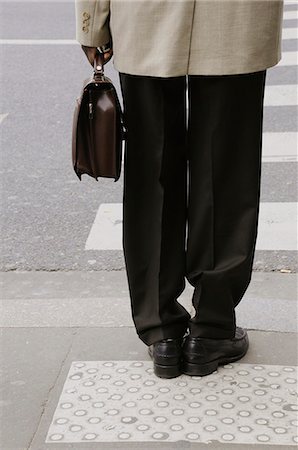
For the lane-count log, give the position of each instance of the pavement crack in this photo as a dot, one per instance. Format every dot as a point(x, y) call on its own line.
point(44, 403)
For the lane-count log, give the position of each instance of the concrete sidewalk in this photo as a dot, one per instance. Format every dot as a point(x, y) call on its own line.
point(76, 375)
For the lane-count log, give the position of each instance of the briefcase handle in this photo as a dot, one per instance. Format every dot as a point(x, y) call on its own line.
point(98, 64)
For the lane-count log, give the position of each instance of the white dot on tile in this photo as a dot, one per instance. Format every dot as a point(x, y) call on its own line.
point(228, 437)
point(56, 437)
point(211, 412)
point(210, 428)
point(164, 389)
point(124, 435)
point(149, 383)
point(227, 420)
point(75, 428)
point(259, 392)
point(279, 430)
point(227, 405)
point(288, 369)
point(147, 396)
point(178, 412)
point(160, 419)
point(61, 421)
point(66, 405)
point(259, 379)
point(228, 391)
point(262, 421)
point(192, 436)
point(194, 419)
point(102, 390)
point(145, 411)
point(94, 419)
point(278, 414)
point(179, 397)
point(263, 438)
point(116, 397)
point(176, 427)
point(112, 412)
point(90, 436)
point(211, 398)
point(162, 404)
point(98, 404)
point(195, 404)
point(84, 397)
point(80, 412)
point(133, 389)
point(261, 406)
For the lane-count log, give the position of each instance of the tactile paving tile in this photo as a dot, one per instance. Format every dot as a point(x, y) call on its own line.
point(109, 401)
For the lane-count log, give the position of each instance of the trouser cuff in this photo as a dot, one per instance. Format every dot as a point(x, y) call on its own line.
point(211, 331)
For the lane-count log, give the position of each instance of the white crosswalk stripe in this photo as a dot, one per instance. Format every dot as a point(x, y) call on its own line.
point(2, 117)
point(277, 227)
point(290, 33)
point(290, 14)
point(285, 95)
point(278, 147)
point(288, 59)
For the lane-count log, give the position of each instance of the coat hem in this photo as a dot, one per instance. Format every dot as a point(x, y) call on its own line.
point(207, 70)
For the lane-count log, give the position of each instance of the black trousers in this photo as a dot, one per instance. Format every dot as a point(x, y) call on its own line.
point(191, 198)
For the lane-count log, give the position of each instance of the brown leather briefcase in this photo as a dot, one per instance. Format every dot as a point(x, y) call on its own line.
point(98, 127)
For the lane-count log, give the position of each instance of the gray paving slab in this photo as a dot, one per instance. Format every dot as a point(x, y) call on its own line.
point(31, 360)
point(102, 299)
point(113, 283)
point(253, 313)
point(36, 362)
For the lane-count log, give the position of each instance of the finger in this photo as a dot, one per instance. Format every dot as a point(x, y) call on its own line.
point(108, 56)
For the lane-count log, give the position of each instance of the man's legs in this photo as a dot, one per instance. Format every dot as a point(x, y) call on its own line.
point(154, 203)
point(224, 145)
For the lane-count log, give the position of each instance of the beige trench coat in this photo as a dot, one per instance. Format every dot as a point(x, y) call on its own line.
point(177, 37)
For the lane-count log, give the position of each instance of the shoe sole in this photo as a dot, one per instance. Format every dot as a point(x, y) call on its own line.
point(166, 371)
point(201, 370)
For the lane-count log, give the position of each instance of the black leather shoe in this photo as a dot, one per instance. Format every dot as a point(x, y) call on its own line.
point(166, 355)
point(201, 356)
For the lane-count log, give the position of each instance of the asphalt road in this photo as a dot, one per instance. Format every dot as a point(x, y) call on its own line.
point(46, 212)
